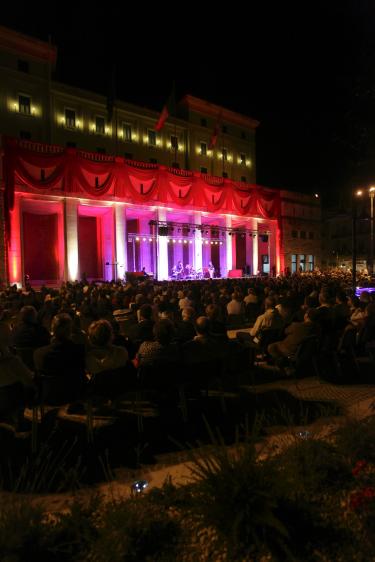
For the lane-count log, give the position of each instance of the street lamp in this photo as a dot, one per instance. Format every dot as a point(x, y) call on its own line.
point(356, 194)
point(372, 194)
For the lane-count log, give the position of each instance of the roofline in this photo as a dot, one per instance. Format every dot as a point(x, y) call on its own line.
point(213, 110)
point(18, 43)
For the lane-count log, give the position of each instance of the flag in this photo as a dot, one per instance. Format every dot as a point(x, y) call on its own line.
point(111, 97)
point(168, 110)
point(215, 133)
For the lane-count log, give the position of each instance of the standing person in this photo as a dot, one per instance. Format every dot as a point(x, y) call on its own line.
point(211, 269)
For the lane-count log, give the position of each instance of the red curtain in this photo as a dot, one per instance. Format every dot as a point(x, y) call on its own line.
point(240, 251)
point(89, 247)
point(50, 169)
point(41, 252)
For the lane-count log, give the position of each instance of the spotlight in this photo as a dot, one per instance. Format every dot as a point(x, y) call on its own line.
point(190, 241)
point(144, 239)
point(150, 239)
point(185, 241)
point(174, 241)
point(137, 239)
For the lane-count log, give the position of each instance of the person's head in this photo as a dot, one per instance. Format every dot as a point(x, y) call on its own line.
point(28, 315)
point(212, 311)
point(325, 296)
point(187, 314)
point(270, 303)
point(61, 328)
point(145, 312)
point(100, 333)
point(341, 297)
point(354, 301)
point(164, 331)
point(311, 315)
point(202, 326)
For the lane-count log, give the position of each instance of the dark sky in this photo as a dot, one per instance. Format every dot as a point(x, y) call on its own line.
point(305, 70)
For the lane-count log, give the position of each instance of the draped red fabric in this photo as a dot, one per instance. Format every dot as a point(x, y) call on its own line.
point(50, 169)
point(41, 250)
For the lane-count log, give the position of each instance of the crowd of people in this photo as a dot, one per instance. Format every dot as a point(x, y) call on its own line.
point(82, 329)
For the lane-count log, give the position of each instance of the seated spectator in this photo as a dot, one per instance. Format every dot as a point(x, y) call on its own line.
point(269, 320)
point(185, 330)
point(28, 332)
point(235, 306)
point(251, 297)
point(217, 329)
point(366, 333)
point(102, 355)
point(357, 311)
point(12, 369)
point(296, 333)
point(341, 311)
point(161, 350)
point(61, 357)
point(203, 348)
point(143, 330)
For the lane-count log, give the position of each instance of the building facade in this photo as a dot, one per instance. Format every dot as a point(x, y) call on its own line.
point(171, 196)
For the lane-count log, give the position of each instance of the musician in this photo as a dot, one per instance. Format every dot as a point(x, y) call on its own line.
point(174, 271)
point(180, 270)
point(211, 269)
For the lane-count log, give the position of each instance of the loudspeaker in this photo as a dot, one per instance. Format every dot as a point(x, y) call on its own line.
point(264, 237)
point(163, 231)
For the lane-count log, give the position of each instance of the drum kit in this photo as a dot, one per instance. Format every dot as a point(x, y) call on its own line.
point(189, 273)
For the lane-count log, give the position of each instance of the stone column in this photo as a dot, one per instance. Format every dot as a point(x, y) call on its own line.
point(121, 240)
point(198, 243)
point(71, 239)
point(162, 248)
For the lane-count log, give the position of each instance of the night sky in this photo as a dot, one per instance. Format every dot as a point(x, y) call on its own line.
point(305, 70)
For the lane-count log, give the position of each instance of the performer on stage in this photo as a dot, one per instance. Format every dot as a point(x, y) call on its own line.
point(180, 270)
point(211, 269)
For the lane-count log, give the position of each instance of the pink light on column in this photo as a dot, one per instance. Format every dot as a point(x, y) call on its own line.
point(279, 265)
point(14, 250)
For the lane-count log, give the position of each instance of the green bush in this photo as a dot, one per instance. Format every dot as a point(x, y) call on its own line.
point(356, 440)
point(312, 467)
point(136, 530)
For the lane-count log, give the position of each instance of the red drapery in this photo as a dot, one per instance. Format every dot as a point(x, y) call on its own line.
point(41, 246)
point(50, 169)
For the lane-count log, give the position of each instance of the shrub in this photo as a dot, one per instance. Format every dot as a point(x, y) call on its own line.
point(135, 530)
point(356, 440)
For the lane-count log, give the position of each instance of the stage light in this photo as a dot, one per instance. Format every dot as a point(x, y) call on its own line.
point(174, 241)
point(211, 242)
point(144, 239)
point(180, 241)
point(137, 239)
point(190, 241)
point(206, 242)
point(150, 239)
point(185, 241)
point(221, 243)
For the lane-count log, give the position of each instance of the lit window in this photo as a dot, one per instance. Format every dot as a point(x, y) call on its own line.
point(24, 104)
point(100, 125)
point(243, 158)
point(70, 118)
point(151, 137)
point(203, 149)
point(174, 142)
point(127, 132)
point(224, 154)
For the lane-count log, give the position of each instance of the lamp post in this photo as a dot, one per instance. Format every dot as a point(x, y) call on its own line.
point(372, 194)
point(357, 194)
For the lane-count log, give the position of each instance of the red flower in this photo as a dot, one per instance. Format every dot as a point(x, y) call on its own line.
point(360, 465)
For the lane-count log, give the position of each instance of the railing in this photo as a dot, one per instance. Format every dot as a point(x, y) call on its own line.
point(95, 156)
point(139, 164)
point(40, 147)
point(181, 173)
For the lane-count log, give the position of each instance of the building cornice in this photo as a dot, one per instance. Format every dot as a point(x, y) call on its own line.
point(17, 43)
point(213, 110)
